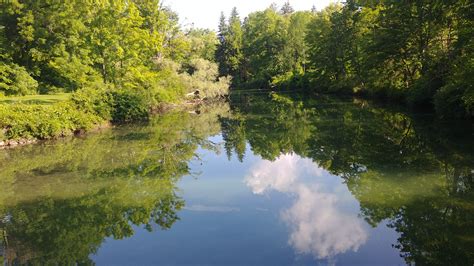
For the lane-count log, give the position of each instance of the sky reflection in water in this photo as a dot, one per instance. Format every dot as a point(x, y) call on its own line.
point(319, 224)
point(278, 181)
point(287, 211)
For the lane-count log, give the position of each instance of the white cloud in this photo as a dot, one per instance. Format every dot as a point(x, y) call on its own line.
point(318, 224)
point(320, 228)
point(206, 13)
point(281, 174)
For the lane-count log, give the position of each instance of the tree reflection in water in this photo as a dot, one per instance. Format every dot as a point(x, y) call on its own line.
point(411, 170)
point(59, 202)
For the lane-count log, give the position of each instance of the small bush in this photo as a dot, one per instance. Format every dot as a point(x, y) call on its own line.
point(15, 80)
point(448, 101)
point(96, 100)
point(118, 105)
point(130, 106)
point(456, 98)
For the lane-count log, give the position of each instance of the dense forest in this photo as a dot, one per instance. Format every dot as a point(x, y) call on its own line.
point(417, 52)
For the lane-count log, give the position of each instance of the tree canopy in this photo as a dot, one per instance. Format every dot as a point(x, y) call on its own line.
point(417, 52)
point(48, 46)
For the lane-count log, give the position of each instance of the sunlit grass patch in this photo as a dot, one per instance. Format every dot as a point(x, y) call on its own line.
point(36, 99)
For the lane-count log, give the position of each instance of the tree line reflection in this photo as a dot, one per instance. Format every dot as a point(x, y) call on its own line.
point(58, 202)
point(409, 169)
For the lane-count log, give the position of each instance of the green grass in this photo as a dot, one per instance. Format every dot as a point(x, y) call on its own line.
point(36, 99)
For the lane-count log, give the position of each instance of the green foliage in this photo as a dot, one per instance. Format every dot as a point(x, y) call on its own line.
point(268, 49)
point(416, 52)
point(332, 58)
point(115, 105)
point(111, 45)
point(399, 50)
point(264, 42)
point(202, 75)
point(44, 121)
point(203, 43)
point(129, 106)
point(15, 80)
point(94, 101)
point(456, 98)
point(120, 58)
point(229, 53)
point(170, 87)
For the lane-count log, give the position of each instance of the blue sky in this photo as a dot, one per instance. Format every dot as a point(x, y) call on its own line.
point(205, 13)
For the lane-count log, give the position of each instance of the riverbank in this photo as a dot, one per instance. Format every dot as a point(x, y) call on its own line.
point(83, 112)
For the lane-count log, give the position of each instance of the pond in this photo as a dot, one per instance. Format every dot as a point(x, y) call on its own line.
point(262, 180)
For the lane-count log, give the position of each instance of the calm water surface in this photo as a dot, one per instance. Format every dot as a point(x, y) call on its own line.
point(263, 180)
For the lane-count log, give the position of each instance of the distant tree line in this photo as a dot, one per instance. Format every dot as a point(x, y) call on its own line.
point(419, 52)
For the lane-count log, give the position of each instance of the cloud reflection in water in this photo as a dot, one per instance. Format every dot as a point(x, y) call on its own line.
point(319, 226)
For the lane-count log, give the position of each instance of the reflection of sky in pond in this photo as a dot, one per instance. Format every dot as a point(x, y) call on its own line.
point(259, 212)
point(319, 225)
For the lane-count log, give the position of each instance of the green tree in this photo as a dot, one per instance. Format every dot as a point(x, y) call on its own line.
point(220, 55)
point(234, 42)
point(229, 53)
point(203, 43)
point(263, 41)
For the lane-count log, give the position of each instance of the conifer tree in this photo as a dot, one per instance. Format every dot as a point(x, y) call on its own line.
point(287, 8)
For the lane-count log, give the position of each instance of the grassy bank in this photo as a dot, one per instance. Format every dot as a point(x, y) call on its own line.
point(30, 118)
point(36, 99)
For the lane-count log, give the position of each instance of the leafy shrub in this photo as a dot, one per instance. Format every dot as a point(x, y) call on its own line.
point(118, 105)
point(96, 100)
point(69, 73)
point(448, 101)
point(456, 98)
point(44, 121)
point(203, 75)
point(290, 80)
point(129, 105)
point(130, 100)
point(169, 87)
point(15, 80)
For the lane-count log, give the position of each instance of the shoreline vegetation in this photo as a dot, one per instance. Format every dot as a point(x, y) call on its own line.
point(71, 118)
point(85, 65)
point(119, 62)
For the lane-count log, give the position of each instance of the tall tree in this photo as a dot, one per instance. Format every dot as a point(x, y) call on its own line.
point(287, 9)
point(222, 34)
point(234, 41)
